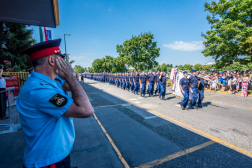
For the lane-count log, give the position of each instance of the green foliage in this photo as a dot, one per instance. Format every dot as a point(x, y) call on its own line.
point(188, 67)
point(78, 69)
point(169, 69)
point(197, 67)
point(91, 70)
point(13, 39)
point(108, 64)
point(230, 37)
point(139, 52)
point(207, 68)
point(181, 67)
point(163, 67)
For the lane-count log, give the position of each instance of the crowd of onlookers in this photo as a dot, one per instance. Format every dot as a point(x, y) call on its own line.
point(231, 81)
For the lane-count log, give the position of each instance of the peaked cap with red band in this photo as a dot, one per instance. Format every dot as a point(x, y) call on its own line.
point(43, 49)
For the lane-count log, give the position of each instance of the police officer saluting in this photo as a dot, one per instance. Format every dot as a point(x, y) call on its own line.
point(143, 79)
point(193, 82)
point(46, 112)
point(184, 87)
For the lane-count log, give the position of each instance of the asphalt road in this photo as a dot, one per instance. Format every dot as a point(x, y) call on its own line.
point(150, 132)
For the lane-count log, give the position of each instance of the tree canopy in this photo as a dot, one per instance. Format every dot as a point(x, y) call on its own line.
point(197, 67)
point(230, 36)
point(13, 39)
point(78, 69)
point(139, 52)
point(108, 64)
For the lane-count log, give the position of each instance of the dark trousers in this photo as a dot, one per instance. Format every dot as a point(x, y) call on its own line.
point(2, 103)
point(64, 163)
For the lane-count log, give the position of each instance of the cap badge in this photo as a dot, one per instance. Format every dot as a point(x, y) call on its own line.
point(57, 51)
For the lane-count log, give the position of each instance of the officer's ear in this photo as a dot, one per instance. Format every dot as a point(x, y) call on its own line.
point(52, 60)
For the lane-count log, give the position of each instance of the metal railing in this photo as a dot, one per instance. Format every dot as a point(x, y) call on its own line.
point(22, 77)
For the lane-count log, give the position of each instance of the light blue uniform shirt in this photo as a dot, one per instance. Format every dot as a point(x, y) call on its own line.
point(49, 136)
point(60, 82)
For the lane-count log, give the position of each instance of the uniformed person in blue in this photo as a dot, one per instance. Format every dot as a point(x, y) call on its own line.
point(157, 81)
point(127, 81)
point(46, 112)
point(132, 82)
point(143, 79)
point(193, 82)
point(184, 87)
point(136, 81)
point(162, 79)
point(151, 80)
point(200, 89)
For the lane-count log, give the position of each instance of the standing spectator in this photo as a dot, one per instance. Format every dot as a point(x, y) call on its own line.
point(2, 95)
point(245, 81)
point(233, 83)
point(238, 82)
point(82, 78)
point(224, 82)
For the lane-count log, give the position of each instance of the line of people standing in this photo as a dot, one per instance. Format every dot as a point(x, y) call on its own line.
point(131, 81)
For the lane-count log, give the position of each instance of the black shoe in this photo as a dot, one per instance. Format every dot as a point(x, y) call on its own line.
point(200, 106)
point(159, 96)
point(155, 92)
point(134, 92)
point(74, 167)
point(141, 95)
point(182, 107)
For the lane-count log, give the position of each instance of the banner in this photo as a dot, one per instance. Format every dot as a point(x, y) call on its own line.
point(49, 34)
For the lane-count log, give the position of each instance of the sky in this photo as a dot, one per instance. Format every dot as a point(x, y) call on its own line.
point(97, 26)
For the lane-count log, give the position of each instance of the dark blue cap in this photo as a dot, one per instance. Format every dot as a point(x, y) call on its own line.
point(158, 70)
point(185, 72)
point(193, 70)
point(30, 69)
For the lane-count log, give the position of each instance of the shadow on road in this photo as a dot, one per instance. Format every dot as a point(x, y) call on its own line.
point(143, 137)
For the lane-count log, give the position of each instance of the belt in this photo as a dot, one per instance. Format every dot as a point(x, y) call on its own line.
point(185, 88)
point(195, 86)
point(143, 82)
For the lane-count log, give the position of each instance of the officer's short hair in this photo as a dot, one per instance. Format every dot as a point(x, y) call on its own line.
point(40, 61)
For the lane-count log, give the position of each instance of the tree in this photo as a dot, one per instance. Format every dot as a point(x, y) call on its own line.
point(197, 67)
point(181, 67)
point(157, 67)
point(163, 67)
point(13, 39)
point(230, 36)
point(188, 67)
point(78, 69)
point(139, 52)
point(207, 67)
point(169, 69)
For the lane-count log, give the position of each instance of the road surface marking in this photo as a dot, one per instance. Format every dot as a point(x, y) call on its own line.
point(175, 155)
point(177, 105)
point(194, 129)
point(112, 143)
point(137, 102)
point(126, 104)
point(146, 118)
point(134, 99)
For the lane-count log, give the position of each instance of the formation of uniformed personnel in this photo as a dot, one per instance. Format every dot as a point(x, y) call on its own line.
point(132, 81)
point(46, 112)
point(200, 89)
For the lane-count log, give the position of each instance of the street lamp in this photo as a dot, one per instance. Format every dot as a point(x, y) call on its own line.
point(65, 45)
